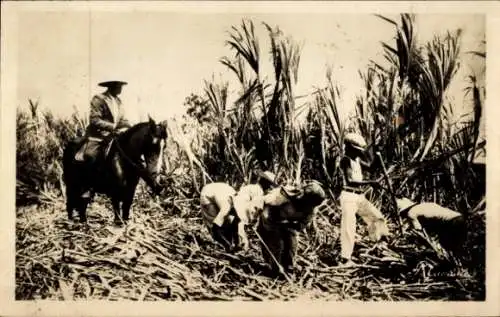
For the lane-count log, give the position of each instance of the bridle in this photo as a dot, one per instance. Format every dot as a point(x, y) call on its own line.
point(140, 167)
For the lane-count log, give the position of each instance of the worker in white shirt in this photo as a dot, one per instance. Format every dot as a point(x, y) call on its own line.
point(353, 201)
point(216, 197)
point(247, 193)
point(449, 226)
point(240, 209)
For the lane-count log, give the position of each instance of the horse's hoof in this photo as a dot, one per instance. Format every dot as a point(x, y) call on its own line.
point(83, 225)
point(69, 225)
point(86, 195)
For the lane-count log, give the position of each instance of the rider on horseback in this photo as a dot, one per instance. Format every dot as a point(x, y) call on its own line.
point(106, 119)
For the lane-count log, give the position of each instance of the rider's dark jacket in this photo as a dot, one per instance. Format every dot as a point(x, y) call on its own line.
point(104, 117)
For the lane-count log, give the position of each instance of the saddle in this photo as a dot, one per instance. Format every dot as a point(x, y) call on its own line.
point(85, 150)
point(82, 143)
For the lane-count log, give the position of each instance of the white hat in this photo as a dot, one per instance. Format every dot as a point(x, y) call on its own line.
point(356, 140)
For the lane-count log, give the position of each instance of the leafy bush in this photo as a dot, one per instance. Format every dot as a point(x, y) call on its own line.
point(41, 138)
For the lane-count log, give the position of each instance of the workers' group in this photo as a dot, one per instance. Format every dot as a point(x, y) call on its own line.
point(280, 212)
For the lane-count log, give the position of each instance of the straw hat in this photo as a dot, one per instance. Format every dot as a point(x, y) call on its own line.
point(355, 140)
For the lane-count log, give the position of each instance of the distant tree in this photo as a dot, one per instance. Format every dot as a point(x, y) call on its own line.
point(198, 108)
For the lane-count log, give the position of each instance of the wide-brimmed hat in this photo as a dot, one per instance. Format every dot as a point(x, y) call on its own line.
point(112, 83)
point(356, 141)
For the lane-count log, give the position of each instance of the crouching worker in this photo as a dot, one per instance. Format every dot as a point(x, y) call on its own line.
point(215, 198)
point(448, 226)
point(287, 210)
point(353, 201)
point(226, 212)
point(248, 205)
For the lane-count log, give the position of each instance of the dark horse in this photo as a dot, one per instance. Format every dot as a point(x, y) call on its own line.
point(117, 173)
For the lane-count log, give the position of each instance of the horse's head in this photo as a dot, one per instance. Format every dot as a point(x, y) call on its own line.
point(153, 147)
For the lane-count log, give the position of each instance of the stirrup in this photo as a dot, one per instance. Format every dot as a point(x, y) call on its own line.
point(87, 194)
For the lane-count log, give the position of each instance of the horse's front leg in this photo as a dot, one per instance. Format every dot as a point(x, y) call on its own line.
point(117, 183)
point(128, 199)
point(82, 209)
point(115, 202)
point(70, 202)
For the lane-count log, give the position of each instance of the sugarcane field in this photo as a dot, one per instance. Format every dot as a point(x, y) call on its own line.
point(225, 156)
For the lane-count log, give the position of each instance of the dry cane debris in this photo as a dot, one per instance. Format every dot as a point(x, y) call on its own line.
point(162, 256)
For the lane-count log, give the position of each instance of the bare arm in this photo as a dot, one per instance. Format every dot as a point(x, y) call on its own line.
point(368, 161)
point(225, 208)
point(414, 220)
point(243, 236)
point(416, 224)
point(248, 204)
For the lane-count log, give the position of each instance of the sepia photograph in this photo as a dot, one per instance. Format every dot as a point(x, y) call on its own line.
point(208, 151)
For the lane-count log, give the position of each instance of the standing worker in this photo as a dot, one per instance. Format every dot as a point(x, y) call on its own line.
point(353, 201)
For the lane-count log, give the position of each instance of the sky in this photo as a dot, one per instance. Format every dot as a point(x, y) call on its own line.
point(165, 56)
